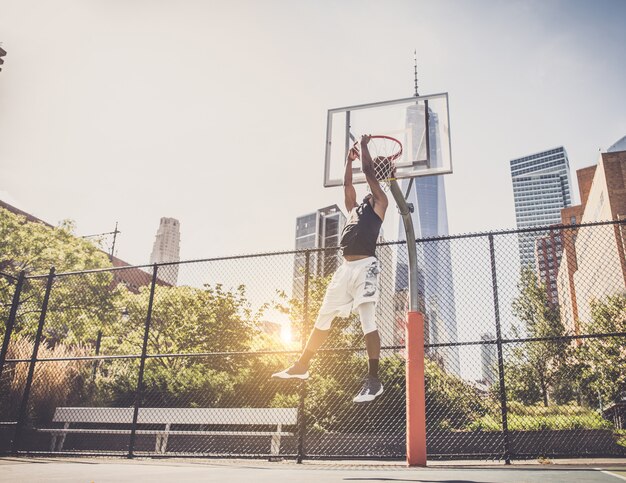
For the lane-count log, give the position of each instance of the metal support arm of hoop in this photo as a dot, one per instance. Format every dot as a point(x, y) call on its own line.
point(405, 213)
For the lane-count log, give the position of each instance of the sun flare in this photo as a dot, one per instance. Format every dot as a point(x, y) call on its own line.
point(285, 333)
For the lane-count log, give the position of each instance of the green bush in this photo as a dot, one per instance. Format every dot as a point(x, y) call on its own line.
point(451, 403)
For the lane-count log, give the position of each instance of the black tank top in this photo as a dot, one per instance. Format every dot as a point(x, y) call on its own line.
point(361, 231)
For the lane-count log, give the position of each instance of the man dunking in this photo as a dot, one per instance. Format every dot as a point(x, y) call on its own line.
point(354, 286)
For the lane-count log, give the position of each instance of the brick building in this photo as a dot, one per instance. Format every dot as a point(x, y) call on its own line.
point(583, 274)
point(548, 252)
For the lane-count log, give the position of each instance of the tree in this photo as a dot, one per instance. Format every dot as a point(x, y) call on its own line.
point(604, 358)
point(184, 320)
point(540, 364)
point(187, 319)
point(35, 247)
point(78, 305)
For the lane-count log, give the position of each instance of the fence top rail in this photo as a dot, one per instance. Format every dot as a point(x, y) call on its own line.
point(522, 230)
point(315, 250)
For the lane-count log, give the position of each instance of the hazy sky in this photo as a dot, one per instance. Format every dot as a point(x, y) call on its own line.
point(214, 112)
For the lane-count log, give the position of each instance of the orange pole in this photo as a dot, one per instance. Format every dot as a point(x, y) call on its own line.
point(415, 393)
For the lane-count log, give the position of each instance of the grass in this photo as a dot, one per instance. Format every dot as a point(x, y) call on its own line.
point(537, 418)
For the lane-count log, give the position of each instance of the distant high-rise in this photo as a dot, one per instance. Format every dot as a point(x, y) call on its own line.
point(320, 229)
point(488, 359)
point(166, 248)
point(430, 219)
point(541, 189)
point(2, 54)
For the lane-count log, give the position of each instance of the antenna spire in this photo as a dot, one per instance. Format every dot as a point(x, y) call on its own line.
point(415, 70)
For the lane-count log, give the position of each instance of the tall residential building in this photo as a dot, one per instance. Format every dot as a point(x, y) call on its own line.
point(166, 248)
point(320, 229)
point(430, 219)
point(541, 189)
point(593, 265)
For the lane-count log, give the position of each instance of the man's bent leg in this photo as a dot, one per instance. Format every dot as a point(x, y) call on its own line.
point(316, 339)
point(372, 343)
point(372, 387)
point(300, 369)
point(367, 313)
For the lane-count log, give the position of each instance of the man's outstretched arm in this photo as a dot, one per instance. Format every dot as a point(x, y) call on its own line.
point(380, 198)
point(348, 187)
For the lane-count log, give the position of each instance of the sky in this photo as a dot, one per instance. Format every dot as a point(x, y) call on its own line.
point(214, 112)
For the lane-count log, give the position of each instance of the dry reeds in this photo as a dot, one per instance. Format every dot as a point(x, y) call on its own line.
point(54, 382)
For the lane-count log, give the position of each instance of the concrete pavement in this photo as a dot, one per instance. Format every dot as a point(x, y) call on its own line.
point(110, 470)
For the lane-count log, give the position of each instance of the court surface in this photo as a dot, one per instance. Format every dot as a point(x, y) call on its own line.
point(104, 470)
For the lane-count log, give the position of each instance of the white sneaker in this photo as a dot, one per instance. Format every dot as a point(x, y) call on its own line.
point(297, 371)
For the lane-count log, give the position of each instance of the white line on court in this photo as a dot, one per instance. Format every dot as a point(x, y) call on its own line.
point(611, 474)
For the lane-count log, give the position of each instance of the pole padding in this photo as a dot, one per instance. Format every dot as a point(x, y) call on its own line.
point(415, 391)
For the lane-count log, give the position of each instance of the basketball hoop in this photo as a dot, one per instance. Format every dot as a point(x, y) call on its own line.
point(384, 151)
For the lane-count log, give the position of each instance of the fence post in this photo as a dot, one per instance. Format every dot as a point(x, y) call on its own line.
point(305, 333)
point(11, 320)
point(15, 444)
point(142, 364)
point(496, 309)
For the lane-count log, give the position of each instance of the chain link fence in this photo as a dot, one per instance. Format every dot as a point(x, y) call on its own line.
point(175, 359)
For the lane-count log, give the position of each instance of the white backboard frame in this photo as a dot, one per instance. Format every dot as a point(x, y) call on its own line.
point(426, 142)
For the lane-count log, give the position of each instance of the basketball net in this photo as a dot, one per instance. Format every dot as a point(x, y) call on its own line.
point(384, 151)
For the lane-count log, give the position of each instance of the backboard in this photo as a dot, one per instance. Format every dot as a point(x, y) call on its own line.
point(421, 124)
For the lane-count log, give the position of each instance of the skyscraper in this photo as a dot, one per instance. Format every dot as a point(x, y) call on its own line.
point(541, 189)
point(488, 359)
point(320, 229)
point(166, 248)
point(430, 219)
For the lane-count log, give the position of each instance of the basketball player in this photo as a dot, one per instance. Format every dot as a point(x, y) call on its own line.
point(354, 286)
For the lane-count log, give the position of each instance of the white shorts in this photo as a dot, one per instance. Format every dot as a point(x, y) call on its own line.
point(354, 283)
